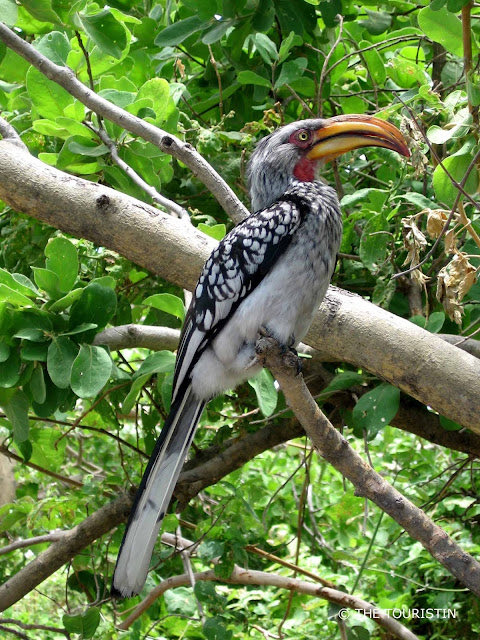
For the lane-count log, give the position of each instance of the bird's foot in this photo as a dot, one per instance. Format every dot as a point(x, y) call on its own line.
point(268, 343)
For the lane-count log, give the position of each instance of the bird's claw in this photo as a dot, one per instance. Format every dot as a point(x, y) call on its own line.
point(287, 352)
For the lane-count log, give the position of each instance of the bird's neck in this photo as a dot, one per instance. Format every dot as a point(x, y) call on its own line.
point(305, 170)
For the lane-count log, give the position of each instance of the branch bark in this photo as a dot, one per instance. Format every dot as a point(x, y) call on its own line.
point(346, 327)
point(334, 448)
point(262, 578)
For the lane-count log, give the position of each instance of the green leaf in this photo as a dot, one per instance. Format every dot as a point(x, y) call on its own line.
point(291, 71)
point(18, 282)
point(9, 12)
point(377, 22)
point(60, 358)
point(267, 395)
point(80, 328)
point(375, 63)
point(4, 351)
point(329, 11)
point(435, 321)
point(456, 5)
point(374, 242)
point(158, 91)
point(215, 629)
point(264, 15)
point(31, 333)
point(443, 27)
point(457, 166)
point(159, 362)
point(49, 447)
point(15, 405)
point(132, 395)
point(47, 281)
point(217, 31)
point(180, 601)
point(49, 99)
point(96, 305)
point(457, 128)
point(34, 351)
point(177, 32)
point(418, 200)
point(62, 259)
point(449, 425)
point(292, 40)
point(376, 408)
point(10, 370)
point(54, 46)
point(343, 380)
point(66, 301)
point(216, 231)
point(37, 385)
point(41, 10)
point(250, 77)
point(106, 32)
point(85, 624)
point(87, 148)
point(265, 47)
point(167, 302)
point(13, 297)
point(91, 370)
point(406, 73)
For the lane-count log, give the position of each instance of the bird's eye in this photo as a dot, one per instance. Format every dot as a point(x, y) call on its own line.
point(301, 138)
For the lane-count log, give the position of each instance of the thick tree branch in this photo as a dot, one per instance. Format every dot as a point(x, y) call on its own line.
point(346, 327)
point(167, 142)
point(137, 336)
point(333, 447)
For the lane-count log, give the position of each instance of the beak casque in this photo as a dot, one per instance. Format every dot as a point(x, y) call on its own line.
point(350, 131)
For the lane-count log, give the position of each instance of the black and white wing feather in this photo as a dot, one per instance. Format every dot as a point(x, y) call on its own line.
point(234, 269)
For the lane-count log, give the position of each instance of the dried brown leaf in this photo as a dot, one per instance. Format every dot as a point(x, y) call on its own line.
point(436, 219)
point(453, 282)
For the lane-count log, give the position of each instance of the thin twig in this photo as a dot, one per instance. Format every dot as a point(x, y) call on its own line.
point(30, 542)
point(169, 205)
point(325, 69)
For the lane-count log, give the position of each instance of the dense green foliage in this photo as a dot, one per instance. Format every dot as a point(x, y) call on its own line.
point(221, 74)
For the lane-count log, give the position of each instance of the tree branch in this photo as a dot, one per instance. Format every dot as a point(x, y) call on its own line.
point(167, 142)
point(346, 327)
point(262, 578)
point(61, 551)
point(136, 336)
point(368, 483)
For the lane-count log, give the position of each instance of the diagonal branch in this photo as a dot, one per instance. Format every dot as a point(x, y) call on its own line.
point(333, 447)
point(252, 577)
point(167, 142)
point(62, 550)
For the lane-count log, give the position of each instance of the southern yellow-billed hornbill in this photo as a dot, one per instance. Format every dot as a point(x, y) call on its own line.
point(271, 271)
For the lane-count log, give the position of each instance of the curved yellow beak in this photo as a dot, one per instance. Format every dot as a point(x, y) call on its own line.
point(352, 131)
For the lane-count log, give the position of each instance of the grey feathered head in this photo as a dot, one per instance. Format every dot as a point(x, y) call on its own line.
point(294, 151)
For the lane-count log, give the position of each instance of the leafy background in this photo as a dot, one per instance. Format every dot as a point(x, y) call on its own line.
point(222, 74)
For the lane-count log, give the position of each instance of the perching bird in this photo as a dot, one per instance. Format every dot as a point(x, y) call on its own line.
point(271, 272)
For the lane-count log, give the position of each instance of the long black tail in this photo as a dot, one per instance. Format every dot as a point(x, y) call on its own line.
point(154, 494)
